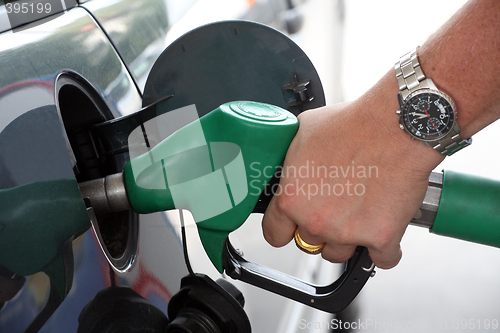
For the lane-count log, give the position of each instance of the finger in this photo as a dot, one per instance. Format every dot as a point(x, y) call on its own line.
point(310, 247)
point(338, 253)
point(386, 259)
point(277, 227)
point(308, 238)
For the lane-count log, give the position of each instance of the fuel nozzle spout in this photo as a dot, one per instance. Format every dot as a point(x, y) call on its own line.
point(106, 194)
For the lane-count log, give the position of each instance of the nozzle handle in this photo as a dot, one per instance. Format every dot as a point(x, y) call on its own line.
point(332, 298)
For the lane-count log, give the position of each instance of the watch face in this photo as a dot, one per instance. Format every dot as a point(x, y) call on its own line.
point(427, 115)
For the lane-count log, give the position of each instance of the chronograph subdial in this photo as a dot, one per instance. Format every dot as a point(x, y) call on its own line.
point(433, 123)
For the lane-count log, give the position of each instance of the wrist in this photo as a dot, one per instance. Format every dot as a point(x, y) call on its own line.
point(380, 104)
point(446, 78)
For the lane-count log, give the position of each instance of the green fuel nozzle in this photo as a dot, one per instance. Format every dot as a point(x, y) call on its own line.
point(216, 167)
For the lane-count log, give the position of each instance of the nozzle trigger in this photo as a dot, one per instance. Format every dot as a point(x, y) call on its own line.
point(332, 298)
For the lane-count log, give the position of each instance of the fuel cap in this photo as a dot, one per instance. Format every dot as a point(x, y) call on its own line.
point(234, 61)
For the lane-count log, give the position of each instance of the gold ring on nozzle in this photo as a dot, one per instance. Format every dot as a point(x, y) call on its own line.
point(307, 248)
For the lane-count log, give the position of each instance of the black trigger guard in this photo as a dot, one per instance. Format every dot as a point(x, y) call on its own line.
point(332, 298)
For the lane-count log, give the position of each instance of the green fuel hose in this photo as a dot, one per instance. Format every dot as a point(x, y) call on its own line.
point(469, 209)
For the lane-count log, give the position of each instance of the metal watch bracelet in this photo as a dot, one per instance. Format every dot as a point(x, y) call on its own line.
point(410, 78)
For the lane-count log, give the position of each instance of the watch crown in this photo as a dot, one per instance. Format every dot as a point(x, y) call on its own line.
point(401, 126)
point(398, 111)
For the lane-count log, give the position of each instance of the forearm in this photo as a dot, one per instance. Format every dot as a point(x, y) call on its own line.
point(463, 60)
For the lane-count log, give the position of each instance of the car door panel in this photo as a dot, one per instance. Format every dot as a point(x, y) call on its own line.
point(36, 151)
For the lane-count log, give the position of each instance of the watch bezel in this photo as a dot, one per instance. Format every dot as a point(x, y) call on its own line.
point(427, 91)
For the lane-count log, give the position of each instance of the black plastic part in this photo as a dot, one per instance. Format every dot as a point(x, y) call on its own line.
point(205, 306)
point(111, 137)
point(121, 310)
point(300, 93)
point(332, 298)
point(229, 61)
point(80, 107)
point(192, 320)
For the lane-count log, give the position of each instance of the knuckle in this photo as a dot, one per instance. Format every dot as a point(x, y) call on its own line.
point(387, 262)
point(337, 256)
point(317, 225)
point(385, 247)
point(384, 243)
point(342, 235)
point(269, 237)
point(384, 238)
point(284, 203)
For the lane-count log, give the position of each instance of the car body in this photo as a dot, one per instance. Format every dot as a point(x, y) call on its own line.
point(60, 74)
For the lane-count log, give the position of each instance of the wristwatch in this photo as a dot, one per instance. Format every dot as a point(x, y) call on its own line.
point(426, 113)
